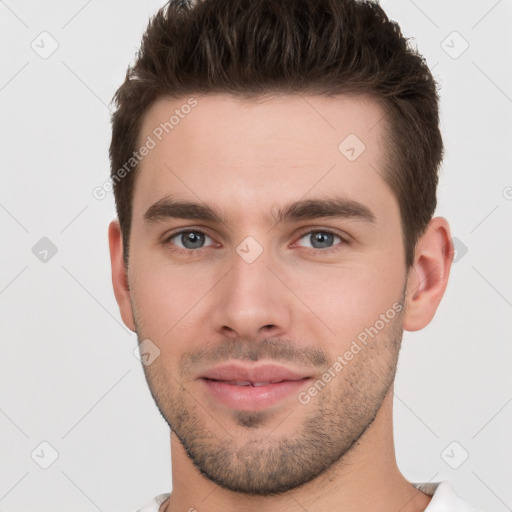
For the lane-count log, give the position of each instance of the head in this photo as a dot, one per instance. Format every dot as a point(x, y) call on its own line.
point(280, 213)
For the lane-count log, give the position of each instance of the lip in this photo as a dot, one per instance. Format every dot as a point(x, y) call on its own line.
point(255, 373)
point(251, 388)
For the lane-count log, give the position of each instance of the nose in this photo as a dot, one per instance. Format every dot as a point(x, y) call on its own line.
point(251, 302)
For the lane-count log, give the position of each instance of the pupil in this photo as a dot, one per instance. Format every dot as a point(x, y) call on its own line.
point(324, 239)
point(192, 240)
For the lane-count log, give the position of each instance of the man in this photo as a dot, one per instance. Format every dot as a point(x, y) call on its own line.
point(275, 171)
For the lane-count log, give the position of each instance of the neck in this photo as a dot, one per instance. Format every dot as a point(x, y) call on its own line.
point(367, 478)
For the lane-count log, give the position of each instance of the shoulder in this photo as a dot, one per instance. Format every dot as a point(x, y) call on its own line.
point(444, 498)
point(154, 504)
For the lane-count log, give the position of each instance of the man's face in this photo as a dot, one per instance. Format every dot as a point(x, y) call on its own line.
point(267, 293)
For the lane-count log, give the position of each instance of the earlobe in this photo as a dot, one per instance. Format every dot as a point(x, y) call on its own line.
point(119, 274)
point(428, 276)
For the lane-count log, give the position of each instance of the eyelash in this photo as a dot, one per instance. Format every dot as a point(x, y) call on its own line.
point(328, 250)
point(196, 252)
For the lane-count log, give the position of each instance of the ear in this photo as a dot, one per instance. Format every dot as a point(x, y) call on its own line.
point(119, 275)
point(428, 276)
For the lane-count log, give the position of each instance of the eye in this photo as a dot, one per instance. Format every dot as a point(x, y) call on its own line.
point(321, 239)
point(189, 239)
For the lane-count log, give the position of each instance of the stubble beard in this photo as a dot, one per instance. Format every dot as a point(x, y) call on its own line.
point(242, 454)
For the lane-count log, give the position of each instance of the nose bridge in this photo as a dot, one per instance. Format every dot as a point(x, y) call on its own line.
point(251, 297)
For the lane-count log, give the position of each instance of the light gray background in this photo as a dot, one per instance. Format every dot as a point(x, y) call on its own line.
point(68, 374)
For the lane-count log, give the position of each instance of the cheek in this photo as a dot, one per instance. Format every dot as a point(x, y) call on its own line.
point(165, 295)
point(349, 298)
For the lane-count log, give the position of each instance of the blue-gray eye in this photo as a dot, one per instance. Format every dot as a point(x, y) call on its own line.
point(189, 239)
point(321, 239)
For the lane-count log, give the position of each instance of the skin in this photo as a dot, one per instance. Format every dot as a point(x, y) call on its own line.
point(248, 158)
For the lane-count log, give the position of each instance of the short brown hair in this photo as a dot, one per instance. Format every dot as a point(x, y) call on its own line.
point(255, 47)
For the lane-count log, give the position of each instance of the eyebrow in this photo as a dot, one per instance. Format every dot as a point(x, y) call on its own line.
point(337, 207)
point(168, 208)
point(308, 209)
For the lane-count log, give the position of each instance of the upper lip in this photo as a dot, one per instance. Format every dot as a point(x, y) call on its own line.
point(266, 372)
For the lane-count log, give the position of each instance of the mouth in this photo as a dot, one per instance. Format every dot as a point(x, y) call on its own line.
point(252, 388)
point(248, 382)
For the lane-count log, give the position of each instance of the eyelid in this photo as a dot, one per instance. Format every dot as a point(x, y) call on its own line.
point(168, 236)
point(345, 238)
point(185, 229)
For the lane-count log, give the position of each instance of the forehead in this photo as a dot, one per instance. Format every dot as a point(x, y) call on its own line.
point(268, 150)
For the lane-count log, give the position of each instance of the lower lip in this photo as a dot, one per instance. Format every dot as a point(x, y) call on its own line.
point(252, 398)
